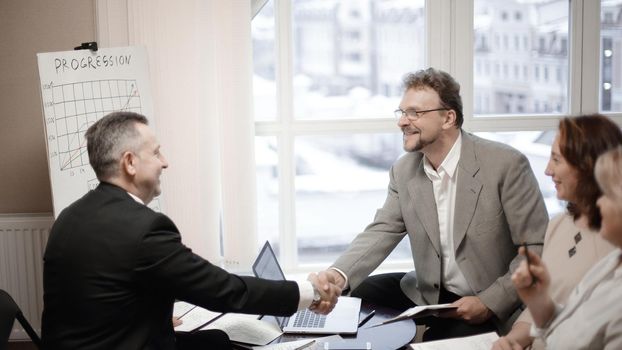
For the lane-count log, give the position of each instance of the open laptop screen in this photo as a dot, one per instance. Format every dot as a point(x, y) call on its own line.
point(266, 266)
point(342, 320)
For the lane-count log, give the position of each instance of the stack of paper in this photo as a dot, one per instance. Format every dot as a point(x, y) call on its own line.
point(475, 342)
point(307, 344)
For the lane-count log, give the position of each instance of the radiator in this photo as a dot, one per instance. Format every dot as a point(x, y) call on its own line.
point(22, 241)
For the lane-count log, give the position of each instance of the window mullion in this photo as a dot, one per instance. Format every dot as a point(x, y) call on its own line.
point(285, 138)
point(461, 39)
point(512, 123)
point(438, 33)
point(588, 48)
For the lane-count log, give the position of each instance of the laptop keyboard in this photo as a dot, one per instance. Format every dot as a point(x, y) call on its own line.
point(309, 319)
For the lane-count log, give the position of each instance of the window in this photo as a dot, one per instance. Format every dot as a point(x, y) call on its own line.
point(611, 56)
point(546, 74)
point(345, 182)
point(546, 19)
point(536, 145)
point(326, 135)
point(327, 75)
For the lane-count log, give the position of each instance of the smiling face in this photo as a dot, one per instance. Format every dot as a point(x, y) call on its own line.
point(427, 128)
point(148, 165)
point(563, 174)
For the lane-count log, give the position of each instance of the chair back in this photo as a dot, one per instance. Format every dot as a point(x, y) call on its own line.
point(9, 311)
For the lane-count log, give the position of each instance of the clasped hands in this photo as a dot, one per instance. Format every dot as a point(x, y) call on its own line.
point(326, 283)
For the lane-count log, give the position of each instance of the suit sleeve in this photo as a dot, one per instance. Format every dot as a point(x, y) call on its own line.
point(165, 264)
point(527, 219)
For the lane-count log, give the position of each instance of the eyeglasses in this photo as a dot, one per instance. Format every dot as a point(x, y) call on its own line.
point(413, 114)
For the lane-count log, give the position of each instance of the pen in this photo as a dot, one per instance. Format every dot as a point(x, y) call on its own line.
point(367, 318)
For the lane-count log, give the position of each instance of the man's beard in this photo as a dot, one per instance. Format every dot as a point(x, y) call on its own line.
point(419, 145)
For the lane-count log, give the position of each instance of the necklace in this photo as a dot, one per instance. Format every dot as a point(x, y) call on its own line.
point(577, 238)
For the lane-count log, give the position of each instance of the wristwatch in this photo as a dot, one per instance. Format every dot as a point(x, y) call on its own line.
point(316, 298)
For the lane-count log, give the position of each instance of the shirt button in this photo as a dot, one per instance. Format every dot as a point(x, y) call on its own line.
point(435, 285)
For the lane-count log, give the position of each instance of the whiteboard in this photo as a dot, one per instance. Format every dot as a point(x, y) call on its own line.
point(77, 89)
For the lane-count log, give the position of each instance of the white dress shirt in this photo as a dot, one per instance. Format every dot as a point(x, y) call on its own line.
point(444, 181)
point(305, 288)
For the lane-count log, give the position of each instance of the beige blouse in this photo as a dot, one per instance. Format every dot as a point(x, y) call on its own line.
point(568, 252)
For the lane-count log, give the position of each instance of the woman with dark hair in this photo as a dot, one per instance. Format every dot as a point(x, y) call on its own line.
point(592, 315)
point(572, 244)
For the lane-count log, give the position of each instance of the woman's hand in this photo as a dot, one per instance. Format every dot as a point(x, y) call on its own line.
point(532, 283)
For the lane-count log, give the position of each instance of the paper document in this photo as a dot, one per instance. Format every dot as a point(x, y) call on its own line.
point(246, 328)
point(292, 345)
point(180, 308)
point(195, 318)
point(306, 344)
point(475, 342)
point(420, 311)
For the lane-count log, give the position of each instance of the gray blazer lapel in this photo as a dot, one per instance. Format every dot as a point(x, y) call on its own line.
point(420, 189)
point(468, 189)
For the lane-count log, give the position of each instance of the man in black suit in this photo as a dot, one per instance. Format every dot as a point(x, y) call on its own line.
point(113, 267)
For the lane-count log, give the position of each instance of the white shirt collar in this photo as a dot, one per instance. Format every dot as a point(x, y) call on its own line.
point(136, 198)
point(449, 164)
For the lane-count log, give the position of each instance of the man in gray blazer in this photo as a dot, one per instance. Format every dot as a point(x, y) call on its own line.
point(465, 204)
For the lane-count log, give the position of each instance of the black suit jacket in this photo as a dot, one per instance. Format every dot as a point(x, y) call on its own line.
point(113, 268)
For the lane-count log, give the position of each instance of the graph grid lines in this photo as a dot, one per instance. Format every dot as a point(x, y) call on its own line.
point(78, 105)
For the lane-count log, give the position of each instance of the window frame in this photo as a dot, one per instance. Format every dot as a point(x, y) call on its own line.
point(450, 39)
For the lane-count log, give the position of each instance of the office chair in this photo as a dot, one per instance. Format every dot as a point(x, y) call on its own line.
point(9, 311)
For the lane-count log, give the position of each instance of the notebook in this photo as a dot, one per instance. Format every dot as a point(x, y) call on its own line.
point(342, 320)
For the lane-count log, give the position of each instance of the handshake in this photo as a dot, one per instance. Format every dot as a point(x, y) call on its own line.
point(329, 284)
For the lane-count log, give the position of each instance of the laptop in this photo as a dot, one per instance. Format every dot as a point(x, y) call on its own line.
point(342, 320)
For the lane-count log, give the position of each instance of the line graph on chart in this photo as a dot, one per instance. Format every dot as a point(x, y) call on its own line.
point(77, 96)
point(76, 106)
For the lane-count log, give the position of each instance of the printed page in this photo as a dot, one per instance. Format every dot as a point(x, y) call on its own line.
point(476, 342)
point(180, 308)
point(309, 344)
point(292, 345)
point(420, 311)
point(246, 328)
point(196, 318)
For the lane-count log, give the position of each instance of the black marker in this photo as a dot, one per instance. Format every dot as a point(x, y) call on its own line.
point(367, 318)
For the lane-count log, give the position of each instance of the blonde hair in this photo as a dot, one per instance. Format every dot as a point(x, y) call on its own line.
point(608, 171)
